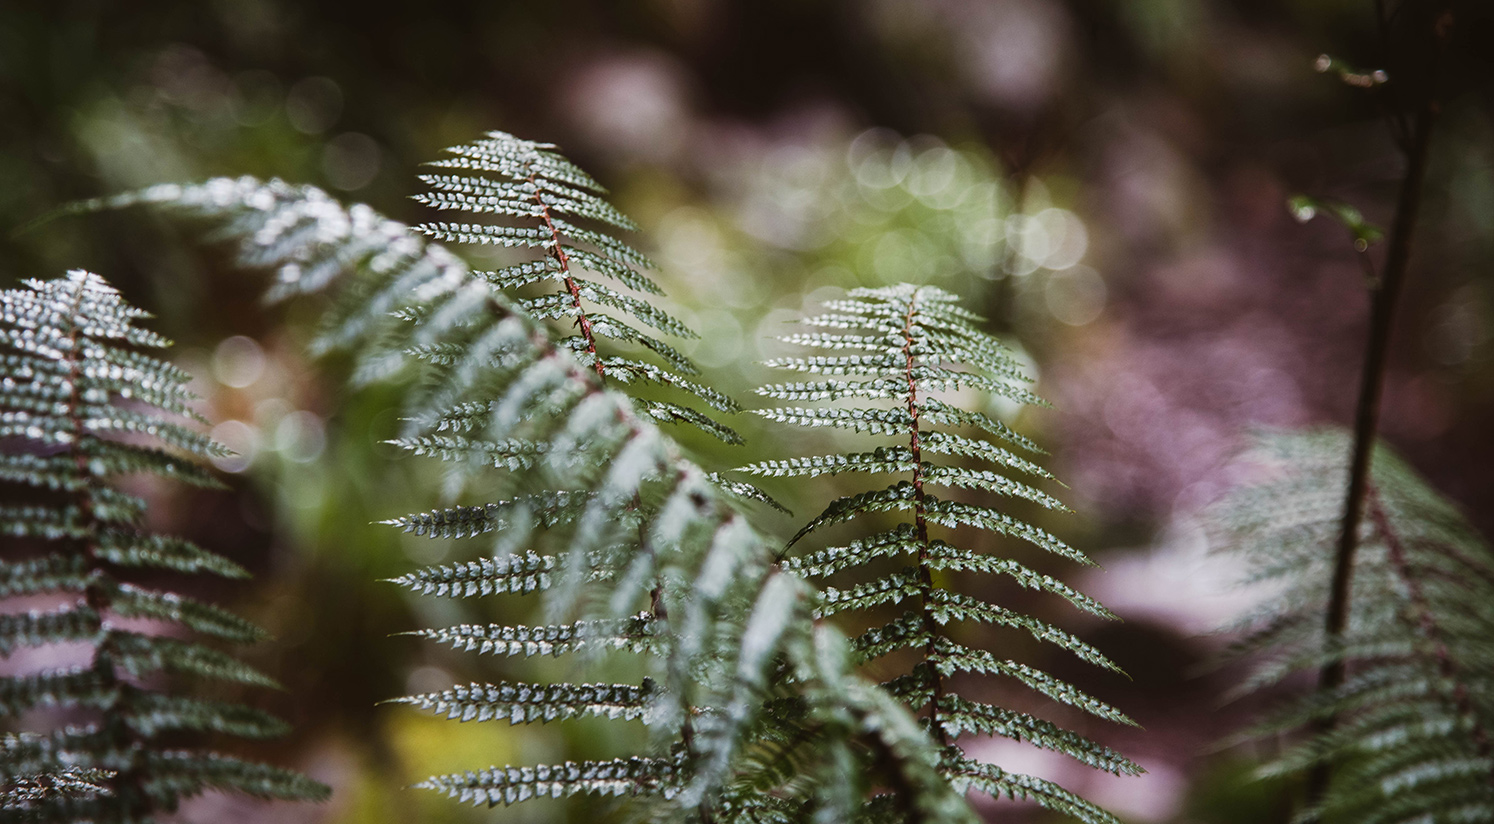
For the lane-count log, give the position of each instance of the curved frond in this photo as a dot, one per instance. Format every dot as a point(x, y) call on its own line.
point(560, 213)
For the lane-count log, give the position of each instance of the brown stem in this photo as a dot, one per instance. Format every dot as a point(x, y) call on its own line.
point(558, 252)
point(1461, 697)
point(920, 523)
point(1386, 292)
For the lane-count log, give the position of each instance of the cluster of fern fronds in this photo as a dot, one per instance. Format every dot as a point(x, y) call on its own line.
point(82, 403)
point(545, 380)
point(633, 546)
point(1405, 737)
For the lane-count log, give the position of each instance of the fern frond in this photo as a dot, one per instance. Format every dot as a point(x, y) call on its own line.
point(961, 716)
point(900, 345)
point(31, 786)
point(886, 460)
point(127, 548)
point(205, 619)
point(182, 774)
point(76, 381)
point(514, 573)
point(546, 509)
point(906, 497)
point(994, 781)
point(1405, 737)
point(153, 713)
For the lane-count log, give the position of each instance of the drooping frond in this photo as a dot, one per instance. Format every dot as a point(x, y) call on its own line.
point(81, 404)
point(630, 546)
point(1406, 736)
point(904, 343)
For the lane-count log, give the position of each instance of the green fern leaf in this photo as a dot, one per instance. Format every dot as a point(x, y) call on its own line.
point(180, 774)
point(515, 573)
point(636, 634)
point(994, 781)
point(511, 785)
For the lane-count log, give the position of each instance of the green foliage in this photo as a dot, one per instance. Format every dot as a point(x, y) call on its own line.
point(81, 404)
point(1406, 735)
point(1364, 233)
point(900, 344)
point(631, 545)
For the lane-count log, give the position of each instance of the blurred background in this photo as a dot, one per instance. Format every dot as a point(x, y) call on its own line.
point(1104, 179)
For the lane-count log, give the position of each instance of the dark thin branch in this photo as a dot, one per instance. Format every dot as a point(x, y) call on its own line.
point(1395, 117)
point(1385, 295)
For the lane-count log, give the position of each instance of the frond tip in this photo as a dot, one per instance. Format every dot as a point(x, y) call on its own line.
point(82, 403)
point(562, 215)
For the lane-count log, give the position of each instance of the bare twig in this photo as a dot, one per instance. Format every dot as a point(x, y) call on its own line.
point(1385, 295)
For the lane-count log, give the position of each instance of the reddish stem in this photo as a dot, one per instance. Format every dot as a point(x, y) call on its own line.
point(920, 522)
point(1427, 621)
point(558, 252)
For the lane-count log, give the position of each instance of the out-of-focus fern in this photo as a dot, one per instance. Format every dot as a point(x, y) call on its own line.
point(82, 403)
point(1410, 740)
point(905, 344)
point(633, 546)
